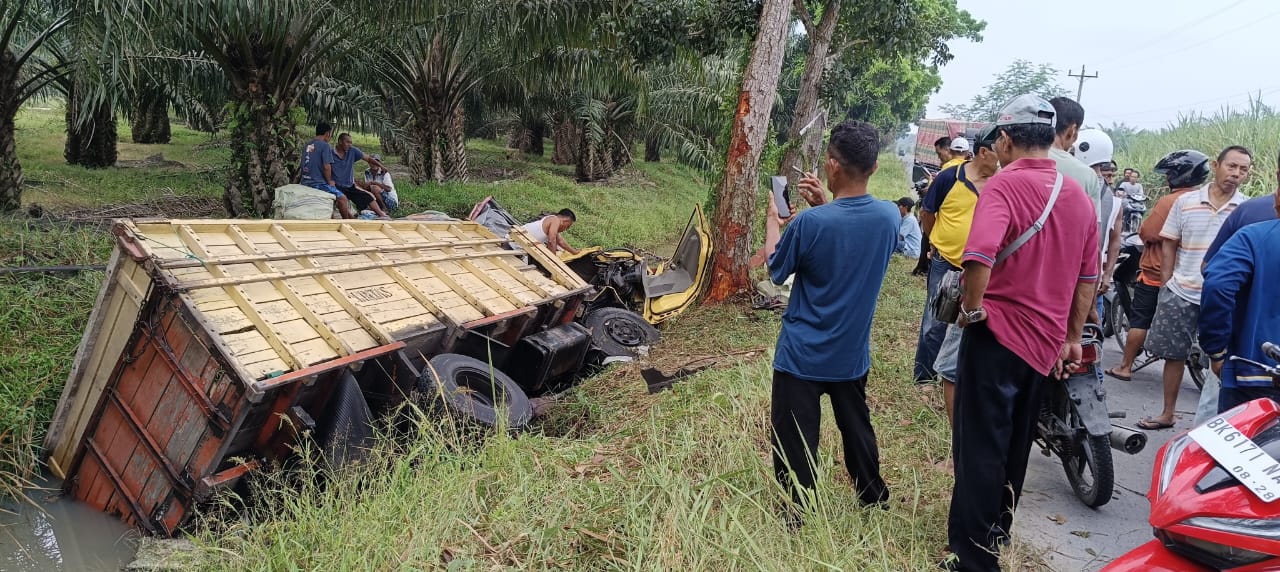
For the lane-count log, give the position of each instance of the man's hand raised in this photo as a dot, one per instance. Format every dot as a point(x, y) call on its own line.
point(774, 218)
point(812, 190)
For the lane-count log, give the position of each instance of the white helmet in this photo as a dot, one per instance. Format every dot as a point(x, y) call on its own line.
point(1093, 146)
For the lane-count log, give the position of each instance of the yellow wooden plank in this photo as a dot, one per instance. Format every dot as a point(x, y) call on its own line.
point(440, 273)
point(336, 294)
point(245, 343)
point(262, 369)
point(308, 323)
point(358, 338)
point(227, 320)
point(240, 294)
point(396, 274)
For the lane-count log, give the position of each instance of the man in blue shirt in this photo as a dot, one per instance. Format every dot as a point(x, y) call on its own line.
point(316, 170)
point(344, 174)
point(1238, 312)
point(839, 253)
point(909, 230)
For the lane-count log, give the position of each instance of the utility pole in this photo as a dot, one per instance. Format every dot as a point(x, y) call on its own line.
point(1082, 76)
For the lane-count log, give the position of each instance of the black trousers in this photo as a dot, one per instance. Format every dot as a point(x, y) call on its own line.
point(796, 413)
point(997, 403)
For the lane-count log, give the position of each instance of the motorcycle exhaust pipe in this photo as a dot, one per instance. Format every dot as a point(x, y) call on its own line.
point(1127, 440)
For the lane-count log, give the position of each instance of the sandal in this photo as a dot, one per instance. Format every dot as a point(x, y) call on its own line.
point(1149, 424)
point(1112, 373)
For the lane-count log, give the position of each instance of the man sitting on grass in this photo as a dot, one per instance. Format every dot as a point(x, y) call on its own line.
point(838, 253)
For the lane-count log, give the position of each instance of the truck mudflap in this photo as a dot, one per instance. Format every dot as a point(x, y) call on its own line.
point(1090, 399)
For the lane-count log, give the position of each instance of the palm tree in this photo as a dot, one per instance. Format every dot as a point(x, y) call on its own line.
point(268, 52)
point(449, 50)
point(25, 27)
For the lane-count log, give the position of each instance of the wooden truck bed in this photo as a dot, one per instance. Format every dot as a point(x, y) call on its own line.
point(207, 332)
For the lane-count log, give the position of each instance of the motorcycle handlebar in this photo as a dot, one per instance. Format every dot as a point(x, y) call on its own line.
point(1271, 350)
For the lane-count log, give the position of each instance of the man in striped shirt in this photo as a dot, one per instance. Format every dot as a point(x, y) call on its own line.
point(1192, 225)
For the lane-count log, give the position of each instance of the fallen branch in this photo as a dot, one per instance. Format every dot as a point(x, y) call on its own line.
point(49, 269)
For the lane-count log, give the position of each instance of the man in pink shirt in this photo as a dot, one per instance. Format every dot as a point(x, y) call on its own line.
point(1023, 313)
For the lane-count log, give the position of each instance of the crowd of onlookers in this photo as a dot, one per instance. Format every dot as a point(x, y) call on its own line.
point(1023, 227)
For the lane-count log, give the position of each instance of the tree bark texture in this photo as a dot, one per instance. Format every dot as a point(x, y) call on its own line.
point(735, 197)
point(150, 123)
point(810, 86)
point(10, 170)
point(652, 150)
point(263, 141)
point(439, 144)
point(91, 142)
point(564, 138)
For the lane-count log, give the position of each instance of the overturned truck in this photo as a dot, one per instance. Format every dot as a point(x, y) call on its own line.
point(216, 346)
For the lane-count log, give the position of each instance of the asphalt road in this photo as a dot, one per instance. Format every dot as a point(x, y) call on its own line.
point(1080, 538)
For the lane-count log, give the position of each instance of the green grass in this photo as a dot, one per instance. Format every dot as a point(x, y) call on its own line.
point(40, 324)
point(613, 479)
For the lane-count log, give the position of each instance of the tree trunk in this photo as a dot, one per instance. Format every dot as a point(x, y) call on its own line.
point(439, 145)
point(652, 150)
point(10, 170)
point(91, 141)
point(565, 139)
point(534, 142)
point(263, 143)
point(810, 86)
point(150, 122)
point(735, 198)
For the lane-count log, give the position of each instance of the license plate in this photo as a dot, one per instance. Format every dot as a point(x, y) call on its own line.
point(1240, 456)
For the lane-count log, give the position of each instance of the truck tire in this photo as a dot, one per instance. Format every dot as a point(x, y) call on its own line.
point(470, 388)
point(348, 433)
point(618, 332)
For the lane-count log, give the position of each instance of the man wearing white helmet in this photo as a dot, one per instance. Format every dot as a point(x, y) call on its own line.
point(960, 149)
point(1093, 147)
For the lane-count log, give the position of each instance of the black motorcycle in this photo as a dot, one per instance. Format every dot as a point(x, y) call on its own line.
point(1076, 426)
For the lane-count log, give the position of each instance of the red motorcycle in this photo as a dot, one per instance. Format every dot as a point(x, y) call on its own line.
point(1215, 498)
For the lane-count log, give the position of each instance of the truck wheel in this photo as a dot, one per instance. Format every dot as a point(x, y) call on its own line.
point(618, 332)
point(348, 435)
point(470, 388)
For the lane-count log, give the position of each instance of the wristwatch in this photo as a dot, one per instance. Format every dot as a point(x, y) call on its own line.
point(974, 315)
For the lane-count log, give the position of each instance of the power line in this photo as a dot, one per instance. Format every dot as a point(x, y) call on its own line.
point(1154, 42)
point(1195, 45)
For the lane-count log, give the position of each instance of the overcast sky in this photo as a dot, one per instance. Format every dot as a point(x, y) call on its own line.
point(1155, 59)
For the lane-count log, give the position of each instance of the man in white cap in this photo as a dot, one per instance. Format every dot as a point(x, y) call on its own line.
point(1023, 311)
point(960, 149)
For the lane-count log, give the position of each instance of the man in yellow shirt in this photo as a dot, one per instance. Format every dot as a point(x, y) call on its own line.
point(960, 152)
point(947, 214)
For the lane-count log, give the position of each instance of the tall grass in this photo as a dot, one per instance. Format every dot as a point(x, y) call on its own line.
point(1256, 127)
point(41, 318)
